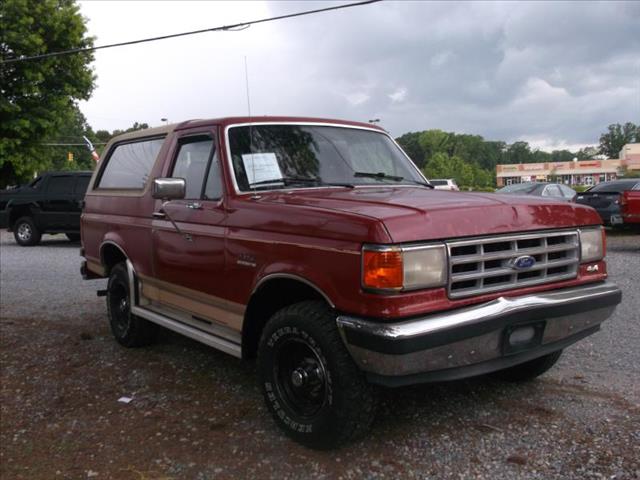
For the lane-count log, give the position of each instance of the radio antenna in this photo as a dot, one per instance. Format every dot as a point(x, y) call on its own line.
point(253, 161)
point(246, 82)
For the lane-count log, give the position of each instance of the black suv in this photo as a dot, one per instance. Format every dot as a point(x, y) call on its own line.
point(51, 203)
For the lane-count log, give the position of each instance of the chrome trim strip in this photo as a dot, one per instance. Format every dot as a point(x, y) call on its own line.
point(499, 307)
point(487, 346)
point(186, 330)
point(290, 276)
point(111, 242)
point(193, 333)
point(479, 275)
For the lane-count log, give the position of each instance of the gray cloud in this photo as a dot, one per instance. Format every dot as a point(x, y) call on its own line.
point(552, 73)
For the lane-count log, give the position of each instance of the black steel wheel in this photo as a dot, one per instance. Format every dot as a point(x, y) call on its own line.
point(312, 387)
point(128, 329)
point(301, 378)
point(25, 232)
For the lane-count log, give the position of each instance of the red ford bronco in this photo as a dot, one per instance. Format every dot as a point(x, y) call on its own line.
point(319, 248)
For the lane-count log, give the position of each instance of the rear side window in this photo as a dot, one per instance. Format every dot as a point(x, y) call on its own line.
point(81, 185)
point(552, 191)
point(129, 165)
point(62, 185)
point(568, 192)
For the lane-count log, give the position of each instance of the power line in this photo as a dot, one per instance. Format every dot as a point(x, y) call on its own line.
point(71, 144)
point(234, 27)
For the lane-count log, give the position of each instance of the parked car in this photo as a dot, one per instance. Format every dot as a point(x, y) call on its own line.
point(630, 206)
point(612, 202)
point(317, 247)
point(51, 203)
point(557, 191)
point(444, 184)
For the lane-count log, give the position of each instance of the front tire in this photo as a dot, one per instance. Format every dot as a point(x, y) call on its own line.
point(529, 370)
point(128, 330)
point(312, 387)
point(25, 232)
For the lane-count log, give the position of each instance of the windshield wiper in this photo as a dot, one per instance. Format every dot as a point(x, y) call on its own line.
point(292, 180)
point(395, 178)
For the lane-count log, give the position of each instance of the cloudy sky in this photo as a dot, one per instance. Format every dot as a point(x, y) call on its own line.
point(554, 74)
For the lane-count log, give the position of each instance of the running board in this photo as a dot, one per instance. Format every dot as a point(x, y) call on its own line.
point(188, 331)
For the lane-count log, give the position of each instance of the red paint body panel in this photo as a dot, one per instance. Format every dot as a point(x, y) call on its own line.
point(316, 234)
point(630, 206)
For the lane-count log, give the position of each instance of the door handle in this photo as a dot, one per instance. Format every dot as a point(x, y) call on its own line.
point(159, 215)
point(194, 205)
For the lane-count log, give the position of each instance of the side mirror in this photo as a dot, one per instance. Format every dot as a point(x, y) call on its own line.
point(169, 188)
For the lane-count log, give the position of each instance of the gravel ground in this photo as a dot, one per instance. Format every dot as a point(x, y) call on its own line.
point(197, 413)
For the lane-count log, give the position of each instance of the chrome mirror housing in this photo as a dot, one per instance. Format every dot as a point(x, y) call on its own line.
point(169, 188)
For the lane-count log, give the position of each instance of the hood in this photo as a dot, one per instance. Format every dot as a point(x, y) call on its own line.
point(417, 213)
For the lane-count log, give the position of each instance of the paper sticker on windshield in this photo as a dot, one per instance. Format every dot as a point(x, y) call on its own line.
point(261, 167)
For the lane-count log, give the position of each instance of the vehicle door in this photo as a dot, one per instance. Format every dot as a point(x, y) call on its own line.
point(79, 189)
point(632, 203)
point(57, 203)
point(189, 264)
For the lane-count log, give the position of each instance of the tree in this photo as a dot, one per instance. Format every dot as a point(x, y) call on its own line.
point(587, 153)
point(519, 152)
point(37, 97)
point(136, 126)
point(410, 143)
point(434, 141)
point(617, 136)
point(75, 127)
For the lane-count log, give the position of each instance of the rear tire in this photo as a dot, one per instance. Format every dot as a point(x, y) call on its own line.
point(128, 329)
point(529, 370)
point(314, 390)
point(25, 232)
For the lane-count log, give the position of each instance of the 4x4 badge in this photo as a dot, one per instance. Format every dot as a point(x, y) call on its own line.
point(522, 263)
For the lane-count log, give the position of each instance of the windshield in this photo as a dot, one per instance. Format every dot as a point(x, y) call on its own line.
point(439, 183)
point(518, 188)
point(279, 156)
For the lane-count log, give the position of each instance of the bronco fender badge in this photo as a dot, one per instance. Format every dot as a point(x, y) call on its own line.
point(522, 263)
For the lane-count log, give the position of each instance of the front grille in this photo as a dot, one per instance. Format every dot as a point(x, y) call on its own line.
point(485, 265)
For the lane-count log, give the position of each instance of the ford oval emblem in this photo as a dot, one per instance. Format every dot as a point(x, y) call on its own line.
point(523, 262)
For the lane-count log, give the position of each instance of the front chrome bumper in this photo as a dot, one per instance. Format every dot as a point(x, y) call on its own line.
point(473, 340)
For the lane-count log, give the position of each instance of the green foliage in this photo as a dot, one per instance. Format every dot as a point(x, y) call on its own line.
point(587, 153)
point(410, 143)
point(38, 97)
point(617, 136)
point(472, 160)
point(466, 175)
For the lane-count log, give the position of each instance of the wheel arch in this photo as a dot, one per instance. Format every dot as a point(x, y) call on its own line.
point(18, 211)
point(271, 294)
point(110, 255)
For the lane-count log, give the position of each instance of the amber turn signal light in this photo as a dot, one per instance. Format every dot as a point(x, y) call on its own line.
point(382, 270)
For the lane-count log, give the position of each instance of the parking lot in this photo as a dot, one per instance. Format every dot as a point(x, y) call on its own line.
point(197, 413)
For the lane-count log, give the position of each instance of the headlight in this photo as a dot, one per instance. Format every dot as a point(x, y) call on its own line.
point(592, 244)
point(403, 268)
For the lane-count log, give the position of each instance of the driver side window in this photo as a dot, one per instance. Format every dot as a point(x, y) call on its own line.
point(191, 164)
